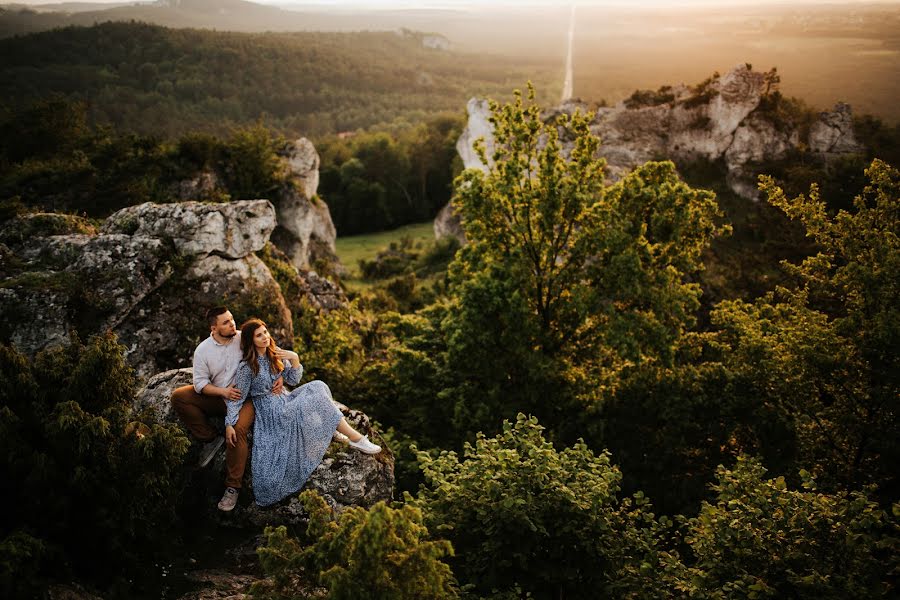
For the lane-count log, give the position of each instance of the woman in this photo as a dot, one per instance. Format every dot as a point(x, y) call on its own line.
point(292, 431)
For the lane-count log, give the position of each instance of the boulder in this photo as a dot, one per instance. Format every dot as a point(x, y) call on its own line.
point(230, 229)
point(448, 224)
point(148, 275)
point(305, 231)
point(245, 285)
point(833, 132)
point(78, 282)
point(204, 186)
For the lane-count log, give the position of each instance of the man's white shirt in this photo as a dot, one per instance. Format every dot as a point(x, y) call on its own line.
point(216, 363)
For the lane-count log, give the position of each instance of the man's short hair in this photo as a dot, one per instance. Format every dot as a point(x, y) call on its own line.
point(212, 315)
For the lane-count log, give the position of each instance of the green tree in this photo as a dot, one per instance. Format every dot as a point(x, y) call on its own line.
point(252, 166)
point(761, 539)
point(564, 282)
point(520, 512)
point(821, 354)
point(381, 553)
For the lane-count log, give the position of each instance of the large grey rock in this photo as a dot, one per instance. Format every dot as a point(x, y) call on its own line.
point(154, 396)
point(305, 231)
point(448, 224)
point(204, 186)
point(78, 282)
point(229, 229)
point(345, 477)
point(148, 276)
point(164, 329)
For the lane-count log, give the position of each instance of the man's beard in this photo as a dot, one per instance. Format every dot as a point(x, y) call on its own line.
point(228, 335)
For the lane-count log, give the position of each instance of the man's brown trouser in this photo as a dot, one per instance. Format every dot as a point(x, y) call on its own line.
point(193, 408)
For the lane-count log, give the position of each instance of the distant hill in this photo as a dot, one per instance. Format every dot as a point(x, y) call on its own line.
point(151, 79)
point(221, 15)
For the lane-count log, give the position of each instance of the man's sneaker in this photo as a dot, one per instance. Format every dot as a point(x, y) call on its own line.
point(229, 499)
point(364, 445)
point(209, 449)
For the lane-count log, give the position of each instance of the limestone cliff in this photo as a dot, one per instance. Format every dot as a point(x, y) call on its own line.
point(725, 118)
point(304, 231)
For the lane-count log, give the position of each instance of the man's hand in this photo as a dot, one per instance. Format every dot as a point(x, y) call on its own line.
point(230, 436)
point(231, 393)
point(278, 386)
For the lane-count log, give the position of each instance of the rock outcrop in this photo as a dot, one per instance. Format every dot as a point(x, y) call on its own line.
point(148, 275)
point(833, 133)
point(344, 478)
point(724, 118)
point(305, 231)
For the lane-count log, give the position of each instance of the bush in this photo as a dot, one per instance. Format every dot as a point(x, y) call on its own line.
point(761, 539)
point(380, 553)
point(79, 468)
point(518, 511)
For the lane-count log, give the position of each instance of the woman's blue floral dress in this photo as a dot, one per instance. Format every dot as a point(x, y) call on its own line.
point(291, 432)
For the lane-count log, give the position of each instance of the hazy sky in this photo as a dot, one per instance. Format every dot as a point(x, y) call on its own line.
point(476, 3)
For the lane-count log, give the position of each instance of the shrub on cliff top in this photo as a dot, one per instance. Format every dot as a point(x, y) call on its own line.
point(380, 553)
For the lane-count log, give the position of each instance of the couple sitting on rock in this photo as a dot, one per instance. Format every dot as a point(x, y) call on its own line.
point(241, 375)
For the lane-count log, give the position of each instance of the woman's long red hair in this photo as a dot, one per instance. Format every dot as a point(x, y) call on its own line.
point(248, 348)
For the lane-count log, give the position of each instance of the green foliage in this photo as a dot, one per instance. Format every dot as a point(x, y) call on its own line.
point(518, 511)
point(252, 167)
point(821, 354)
point(382, 553)
point(100, 171)
point(565, 282)
point(761, 539)
point(79, 467)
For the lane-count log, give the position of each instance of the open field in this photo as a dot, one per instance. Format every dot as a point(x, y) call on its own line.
point(351, 249)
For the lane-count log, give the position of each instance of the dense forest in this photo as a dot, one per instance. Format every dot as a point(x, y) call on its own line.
point(165, 82)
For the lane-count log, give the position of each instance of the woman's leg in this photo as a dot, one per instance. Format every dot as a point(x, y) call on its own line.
point(344, 427)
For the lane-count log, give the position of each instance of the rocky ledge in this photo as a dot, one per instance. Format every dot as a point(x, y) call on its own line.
point(725, 118)
point(148, 274)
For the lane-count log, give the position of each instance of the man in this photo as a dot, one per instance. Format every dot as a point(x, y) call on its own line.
point(215, 365)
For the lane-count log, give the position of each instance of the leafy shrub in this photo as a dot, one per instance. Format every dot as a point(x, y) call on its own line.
point(518, 511)
point(760, 539)
point(382, 553)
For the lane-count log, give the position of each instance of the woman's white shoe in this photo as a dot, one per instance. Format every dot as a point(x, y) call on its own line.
point(364, 445)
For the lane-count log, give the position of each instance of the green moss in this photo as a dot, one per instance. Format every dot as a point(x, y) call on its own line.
point(282, 270)
point(26, 226)
point(48, 281)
